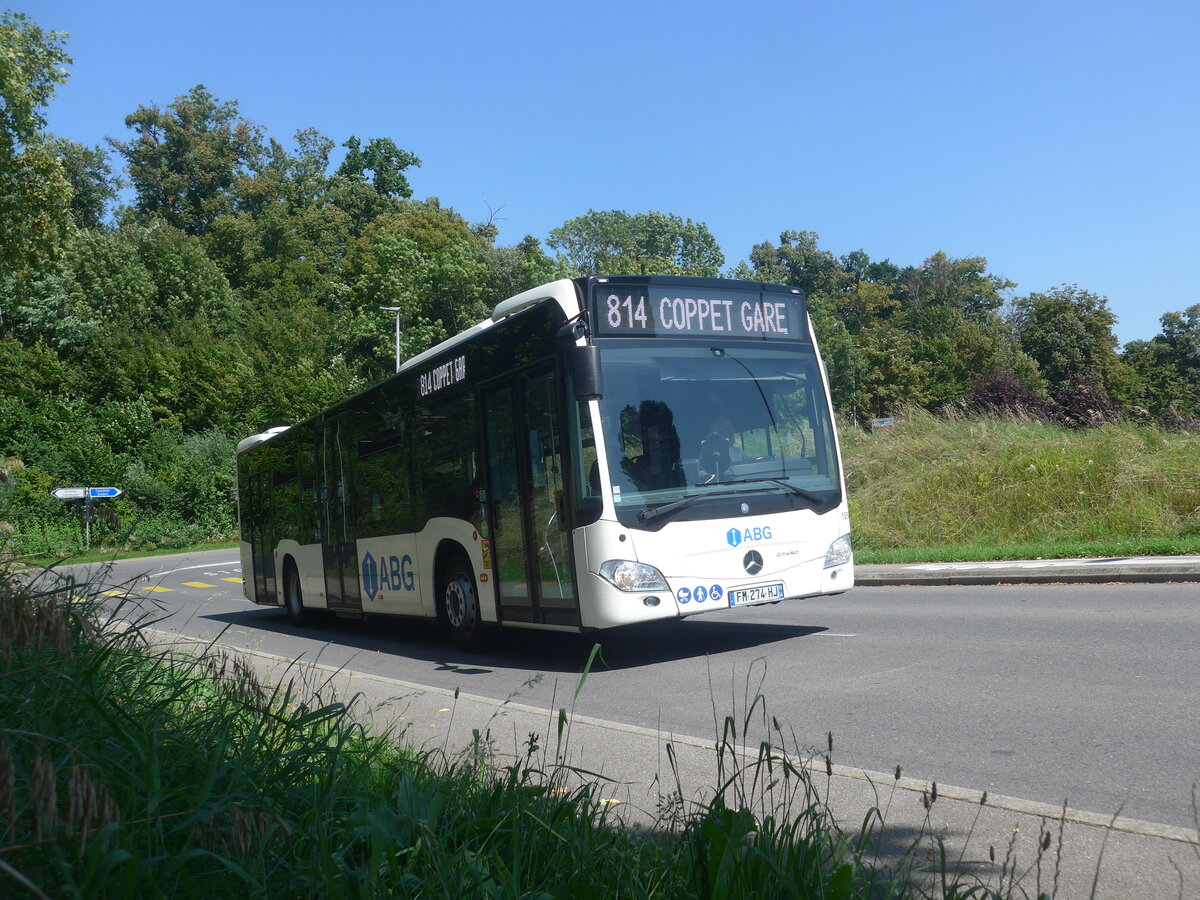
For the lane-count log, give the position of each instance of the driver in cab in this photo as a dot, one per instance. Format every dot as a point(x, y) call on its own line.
point(718, 451)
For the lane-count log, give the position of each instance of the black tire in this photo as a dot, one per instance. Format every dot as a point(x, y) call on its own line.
point(458, 602)
point(293, 596)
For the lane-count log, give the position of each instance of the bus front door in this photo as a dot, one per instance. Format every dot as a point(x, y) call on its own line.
point(338, 539)
point(530, 546)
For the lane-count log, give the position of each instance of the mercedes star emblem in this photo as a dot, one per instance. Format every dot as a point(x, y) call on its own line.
point(753, 562)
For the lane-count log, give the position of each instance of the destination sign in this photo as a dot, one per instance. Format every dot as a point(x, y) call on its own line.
point(670, 312)
point(443, 376)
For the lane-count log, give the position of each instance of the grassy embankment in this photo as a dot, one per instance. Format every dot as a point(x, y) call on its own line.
point(940, 488)
point(129, 771)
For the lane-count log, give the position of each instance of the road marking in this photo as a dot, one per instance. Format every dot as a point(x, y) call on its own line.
point(199, 584)
point(234, 580)
point(188, 568)
point(157, 589)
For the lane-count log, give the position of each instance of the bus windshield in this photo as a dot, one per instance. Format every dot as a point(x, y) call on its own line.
point(690, 429)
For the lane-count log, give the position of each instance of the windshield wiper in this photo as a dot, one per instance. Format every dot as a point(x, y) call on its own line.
point(653, 512)
point(807, 495)
point(782, 482)
point(650, 513)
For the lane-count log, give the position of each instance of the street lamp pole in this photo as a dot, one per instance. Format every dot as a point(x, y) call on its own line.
point(396, 310)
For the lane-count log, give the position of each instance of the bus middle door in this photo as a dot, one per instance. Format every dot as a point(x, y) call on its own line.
point(534, 571)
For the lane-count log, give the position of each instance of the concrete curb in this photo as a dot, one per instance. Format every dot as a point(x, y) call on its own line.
point(1130, 570)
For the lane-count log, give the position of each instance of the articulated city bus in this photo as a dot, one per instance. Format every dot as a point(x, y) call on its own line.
point(599, 452)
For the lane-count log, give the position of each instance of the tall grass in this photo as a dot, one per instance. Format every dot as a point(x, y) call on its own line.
point(945, 481)
point(131, 772)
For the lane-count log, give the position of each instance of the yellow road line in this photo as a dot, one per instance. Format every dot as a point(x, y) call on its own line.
point(198, 584)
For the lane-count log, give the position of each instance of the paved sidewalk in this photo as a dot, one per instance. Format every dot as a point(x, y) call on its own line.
point(1128, 858)
point(1112, 570)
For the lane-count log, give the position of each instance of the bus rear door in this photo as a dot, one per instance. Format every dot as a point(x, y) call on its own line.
point(338, 532)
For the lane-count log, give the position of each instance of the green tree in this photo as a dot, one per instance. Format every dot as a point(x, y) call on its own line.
point(93, 185)
point(514, 269)
point(653, 243)
point(371, 182)
point(384, 161)
point(186, 162)
point(959, 284)
point(298, 179)
point(1167, 366)
point(425, 260)
point(35, 220)
point(798, 261)
point(1068, 333)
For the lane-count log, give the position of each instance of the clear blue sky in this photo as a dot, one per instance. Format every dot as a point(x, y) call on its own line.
point(1058, 139)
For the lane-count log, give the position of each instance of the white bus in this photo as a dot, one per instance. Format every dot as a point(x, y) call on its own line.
point(601, 451)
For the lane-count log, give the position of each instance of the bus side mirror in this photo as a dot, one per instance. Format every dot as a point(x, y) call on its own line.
point(585, 369)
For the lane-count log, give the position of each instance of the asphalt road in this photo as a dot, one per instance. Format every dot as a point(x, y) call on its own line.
point(1084, 693)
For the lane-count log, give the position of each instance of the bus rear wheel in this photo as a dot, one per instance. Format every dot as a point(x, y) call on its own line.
point(460, 602)
point(293, 596)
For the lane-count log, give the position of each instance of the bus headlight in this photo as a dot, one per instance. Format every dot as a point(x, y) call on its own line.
point(627, 575)
point(839, 552)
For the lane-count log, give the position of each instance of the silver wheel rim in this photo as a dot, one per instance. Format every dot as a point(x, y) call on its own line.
point(460, 602)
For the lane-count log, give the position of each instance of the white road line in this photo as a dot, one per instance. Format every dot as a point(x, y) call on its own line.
point(186, 568)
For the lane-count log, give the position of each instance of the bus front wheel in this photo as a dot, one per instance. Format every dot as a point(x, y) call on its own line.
point(460, 602)
point(293, 595)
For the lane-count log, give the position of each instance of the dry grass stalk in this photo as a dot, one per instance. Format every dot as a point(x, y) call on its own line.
point(90, 806)
point(31, 623)
point(242, 832)
point(8, 791)
point(43, 797)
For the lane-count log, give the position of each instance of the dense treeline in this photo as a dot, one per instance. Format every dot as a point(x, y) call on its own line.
point(200, 280)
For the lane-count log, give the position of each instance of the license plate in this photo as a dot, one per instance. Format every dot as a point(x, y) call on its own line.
point(761, 593)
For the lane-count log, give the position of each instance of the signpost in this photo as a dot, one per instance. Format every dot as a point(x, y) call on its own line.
point(87, 494)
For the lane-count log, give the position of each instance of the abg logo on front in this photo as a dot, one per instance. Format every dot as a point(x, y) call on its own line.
point(738, 536)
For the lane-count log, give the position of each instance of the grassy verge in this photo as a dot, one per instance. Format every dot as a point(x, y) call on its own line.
point(130, 772)
point(937, 488)
point(1181, 546)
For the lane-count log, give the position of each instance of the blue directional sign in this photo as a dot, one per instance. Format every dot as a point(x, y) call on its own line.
point(104, 492)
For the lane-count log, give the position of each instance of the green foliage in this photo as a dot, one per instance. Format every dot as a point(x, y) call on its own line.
point(35, 216)
point(1166, 369)
point(797, 262)
point(384, 161)
point(652, 243)
point(185, 162)
point(1068, 332)
point(90, 177)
